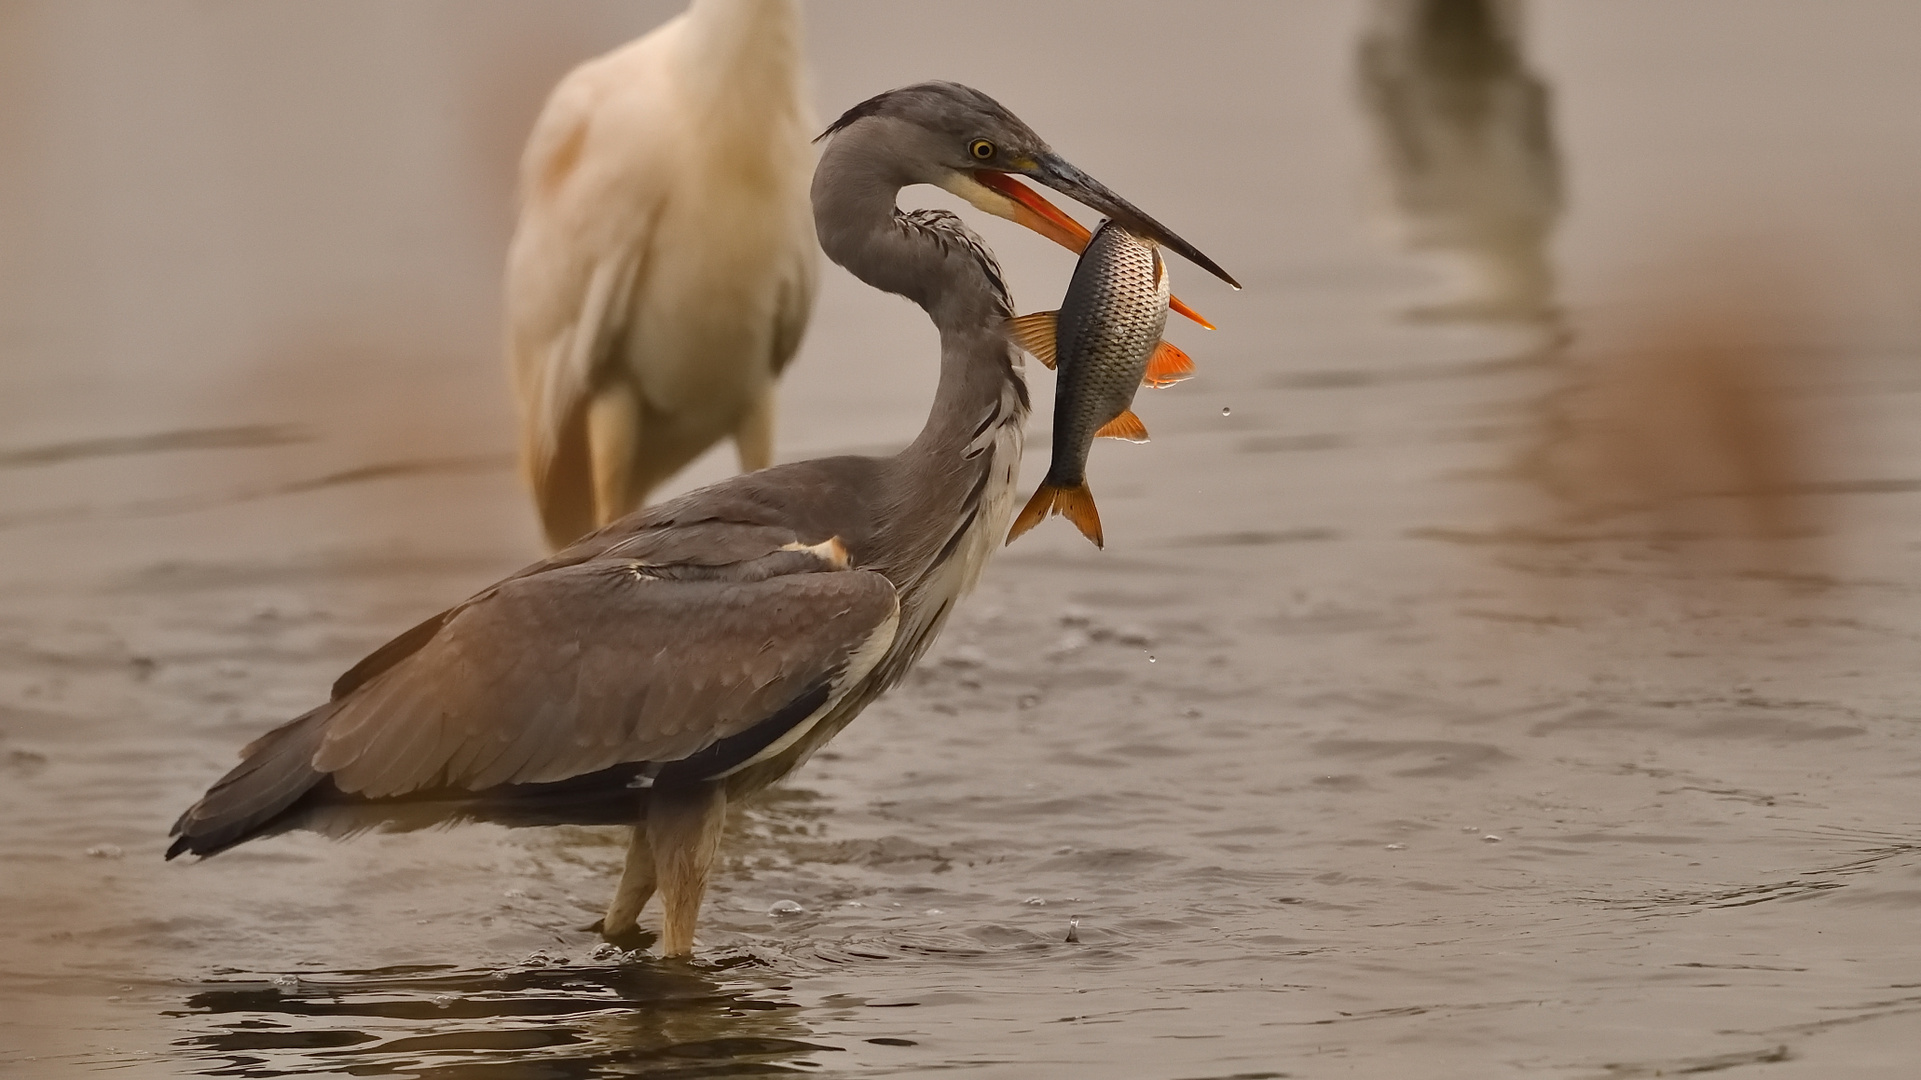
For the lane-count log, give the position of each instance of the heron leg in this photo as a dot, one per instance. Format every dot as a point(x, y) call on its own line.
point(684, 826)
point(754, 438)
point(613, 440)
point(636, 887)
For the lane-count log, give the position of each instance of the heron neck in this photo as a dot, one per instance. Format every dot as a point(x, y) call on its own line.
point(937, 263)
point(951, 474)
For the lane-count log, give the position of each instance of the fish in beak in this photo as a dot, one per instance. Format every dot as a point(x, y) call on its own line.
point(1004, 196)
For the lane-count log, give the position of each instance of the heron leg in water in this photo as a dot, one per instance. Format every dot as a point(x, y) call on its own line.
point(636, 887)
point(754, 438)
point(613, 439)
point(684, 824)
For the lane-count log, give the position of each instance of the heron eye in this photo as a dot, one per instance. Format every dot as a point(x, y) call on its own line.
point(981, 149)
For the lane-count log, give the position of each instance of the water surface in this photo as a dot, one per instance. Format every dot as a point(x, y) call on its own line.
point(1358, 752)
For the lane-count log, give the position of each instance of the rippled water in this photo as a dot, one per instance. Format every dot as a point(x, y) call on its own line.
point(1359, 752)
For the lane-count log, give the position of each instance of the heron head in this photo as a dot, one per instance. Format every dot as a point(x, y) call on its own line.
point(959, 139)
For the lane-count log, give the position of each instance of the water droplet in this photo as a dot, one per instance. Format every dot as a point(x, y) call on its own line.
point(105, 851)
point(606, 950)
point(1151, 659)
point(853, 903)
point(784, 907)
point(1490, 838)
point(1470, 828)
point(1397, 847)
point(443, 1001)
point(1225, 411)
point(934, 911)
point(1034, 901)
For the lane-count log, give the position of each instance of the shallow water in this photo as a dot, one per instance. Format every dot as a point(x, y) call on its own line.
point(1359, 751)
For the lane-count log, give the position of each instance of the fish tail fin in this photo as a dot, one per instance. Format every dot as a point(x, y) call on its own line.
point(1125, 426)
point(1035, 332)
point(1039, 505)
point(1075, 503)
point(1167, 366)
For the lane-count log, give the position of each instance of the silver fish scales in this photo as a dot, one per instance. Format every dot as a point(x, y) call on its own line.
point(1107, 330)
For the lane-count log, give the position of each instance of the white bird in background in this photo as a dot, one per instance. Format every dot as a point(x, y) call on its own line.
point(663, 267)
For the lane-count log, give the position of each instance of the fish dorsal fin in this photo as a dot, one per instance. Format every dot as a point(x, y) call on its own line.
point(1167, 366)
point(1125, 426)
point(1034, 332)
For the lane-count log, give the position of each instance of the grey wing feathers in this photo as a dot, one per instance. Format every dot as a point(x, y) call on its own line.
point(274, 772)
point(593, 665)
point(573, 668)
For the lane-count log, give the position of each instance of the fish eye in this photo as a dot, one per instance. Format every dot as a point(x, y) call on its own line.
point(981, 149)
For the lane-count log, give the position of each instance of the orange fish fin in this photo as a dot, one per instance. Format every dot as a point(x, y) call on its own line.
point(1182, 309)
point(1076, 504)
point(1167, 366)
point(1036, 510)
point(1125, 426)
point(1034, 332)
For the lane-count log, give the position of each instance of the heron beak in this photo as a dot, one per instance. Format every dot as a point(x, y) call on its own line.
point(1025, 206)
point(1003, 196)
point(1091, 193)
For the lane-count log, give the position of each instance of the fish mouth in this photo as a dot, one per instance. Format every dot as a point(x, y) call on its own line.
point(1056, 173)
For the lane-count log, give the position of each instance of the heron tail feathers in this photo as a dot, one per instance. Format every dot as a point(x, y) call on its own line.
point(275, 771)
point(1076, 504)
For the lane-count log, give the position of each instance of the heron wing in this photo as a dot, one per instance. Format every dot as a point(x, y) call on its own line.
point(588, 666)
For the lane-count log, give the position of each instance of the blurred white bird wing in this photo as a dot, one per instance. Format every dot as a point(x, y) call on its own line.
point(796, 304)
point(596, 174)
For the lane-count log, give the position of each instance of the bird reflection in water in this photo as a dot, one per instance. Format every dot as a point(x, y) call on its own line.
point(625, 1019)
point(1466, 150)
point(1682, 435)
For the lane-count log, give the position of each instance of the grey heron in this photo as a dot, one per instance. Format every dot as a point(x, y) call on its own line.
point(662, 269)
point(698, 650)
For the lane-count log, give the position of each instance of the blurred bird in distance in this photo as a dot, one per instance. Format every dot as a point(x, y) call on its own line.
point(662, 270)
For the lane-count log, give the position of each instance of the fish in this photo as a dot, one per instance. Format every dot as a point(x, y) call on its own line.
point(1105, 338)
point(1037, 333)
point(1030, 208)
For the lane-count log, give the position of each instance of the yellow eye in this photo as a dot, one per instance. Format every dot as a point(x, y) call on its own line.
point(981, 149)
